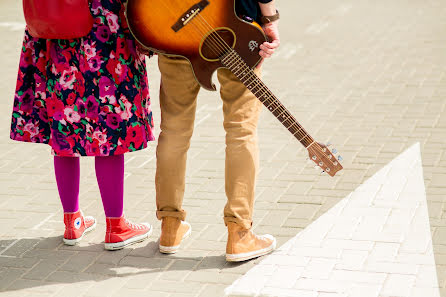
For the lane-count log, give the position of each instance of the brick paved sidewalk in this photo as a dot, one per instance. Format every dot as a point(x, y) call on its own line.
point(368, 75)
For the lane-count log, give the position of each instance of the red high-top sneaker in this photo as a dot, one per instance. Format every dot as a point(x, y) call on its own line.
point(121, 233)
point(76, 225)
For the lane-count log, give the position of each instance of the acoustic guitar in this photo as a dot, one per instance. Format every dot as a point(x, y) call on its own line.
point(210, 35)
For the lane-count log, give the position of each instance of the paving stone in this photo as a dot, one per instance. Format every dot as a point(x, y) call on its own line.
point(9, 275)
point(142, 262)
point(175, 287)
point(368, 76)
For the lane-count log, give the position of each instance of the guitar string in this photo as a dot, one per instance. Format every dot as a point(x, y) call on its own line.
point(251, 73)
point(238, 61)
point(290, 121)
point(261, 87)
point(219, 41)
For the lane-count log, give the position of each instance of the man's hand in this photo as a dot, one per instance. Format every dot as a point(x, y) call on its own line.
point(272, 31)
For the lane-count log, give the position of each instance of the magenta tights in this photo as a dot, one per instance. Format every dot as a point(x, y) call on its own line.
point(110, 176)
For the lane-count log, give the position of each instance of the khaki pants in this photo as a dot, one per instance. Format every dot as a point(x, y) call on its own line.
point(241, 109)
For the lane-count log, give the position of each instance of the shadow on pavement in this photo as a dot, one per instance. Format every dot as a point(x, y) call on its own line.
point(35, 262)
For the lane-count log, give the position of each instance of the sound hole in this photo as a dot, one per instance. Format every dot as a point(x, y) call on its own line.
point(217, 43)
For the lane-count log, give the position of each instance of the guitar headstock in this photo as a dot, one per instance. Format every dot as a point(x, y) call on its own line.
point(324, 158)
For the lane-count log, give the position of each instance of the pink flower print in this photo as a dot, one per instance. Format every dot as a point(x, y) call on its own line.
point(59, 141)
point(112, 20)
point(56, 54)
point(113, 120)
point(92, 148)
point(81, 107)
point(103, 33)
point(68, 78)
point(122, 113)
point(32, 129)
point(43, 115)
point(117, 70)
point(58, 116)
point(92, 107)
point(40, 86)
point(20, 122)
point(121, 71)
point(95, 4)
point(27, 101)
point(105, 149)
point(26, 58)
point(127, 112)
point(106, 87)
point(71, 115)
point(101, 137)
point(90, 50)
point(95, 63)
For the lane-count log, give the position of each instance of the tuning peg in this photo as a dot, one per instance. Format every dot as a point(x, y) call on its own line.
point(340, 158)
point(334, 151)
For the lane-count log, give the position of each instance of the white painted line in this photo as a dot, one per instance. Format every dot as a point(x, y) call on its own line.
point(43, 222)
point(147, 161)
point(8, 247)
point(287, 51)
point(202, 119)
point(316, 28)
point(129, 160)
point(127, 174)
point(14, 26)
point(375, 242)
point(201, 109)
point(342, 10)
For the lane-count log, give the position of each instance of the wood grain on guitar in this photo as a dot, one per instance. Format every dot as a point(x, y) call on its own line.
point(211, 36)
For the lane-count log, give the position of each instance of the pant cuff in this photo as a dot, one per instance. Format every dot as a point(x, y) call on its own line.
point(160, 214)
point(246, 224)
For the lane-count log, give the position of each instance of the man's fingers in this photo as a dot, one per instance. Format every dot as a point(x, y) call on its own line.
point(272, 45)
point(264, 54)
point(268, 50)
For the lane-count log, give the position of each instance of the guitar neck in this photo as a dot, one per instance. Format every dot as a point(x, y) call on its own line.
point(238, 67)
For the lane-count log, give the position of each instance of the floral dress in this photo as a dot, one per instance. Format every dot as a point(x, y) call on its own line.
point(86, 96)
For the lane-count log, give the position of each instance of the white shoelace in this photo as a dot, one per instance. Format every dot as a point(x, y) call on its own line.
point(134, 226)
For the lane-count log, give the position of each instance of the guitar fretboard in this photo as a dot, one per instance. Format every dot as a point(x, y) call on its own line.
point(238, 67)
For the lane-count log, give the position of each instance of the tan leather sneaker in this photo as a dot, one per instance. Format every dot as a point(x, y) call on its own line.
point(244, 245)
point(173, 231)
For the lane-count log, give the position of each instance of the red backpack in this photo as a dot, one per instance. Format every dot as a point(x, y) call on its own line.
point(58, 19)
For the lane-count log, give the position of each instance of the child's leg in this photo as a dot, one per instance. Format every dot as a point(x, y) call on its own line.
point(110, 176)
point(67, 177)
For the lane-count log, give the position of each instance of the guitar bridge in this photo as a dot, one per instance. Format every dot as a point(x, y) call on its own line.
point(189, 15)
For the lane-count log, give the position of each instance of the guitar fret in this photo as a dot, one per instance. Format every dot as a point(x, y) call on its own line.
point(239, 68)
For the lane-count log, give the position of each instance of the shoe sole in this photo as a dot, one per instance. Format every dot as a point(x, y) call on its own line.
point(113, 246)
point(174, 249)
point(75, 241)
point(251, 255)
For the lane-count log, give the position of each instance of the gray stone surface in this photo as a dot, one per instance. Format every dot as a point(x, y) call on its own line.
point(367, 75)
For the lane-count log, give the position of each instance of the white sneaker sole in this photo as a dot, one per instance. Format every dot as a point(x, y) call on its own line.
point(251, 255)
point(75, 241)
point(174, 249)
point(122, 244)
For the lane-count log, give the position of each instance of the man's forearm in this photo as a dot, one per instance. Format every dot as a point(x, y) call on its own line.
point(267, 8)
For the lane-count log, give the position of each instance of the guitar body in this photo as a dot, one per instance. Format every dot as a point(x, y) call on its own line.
point(210, 28)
